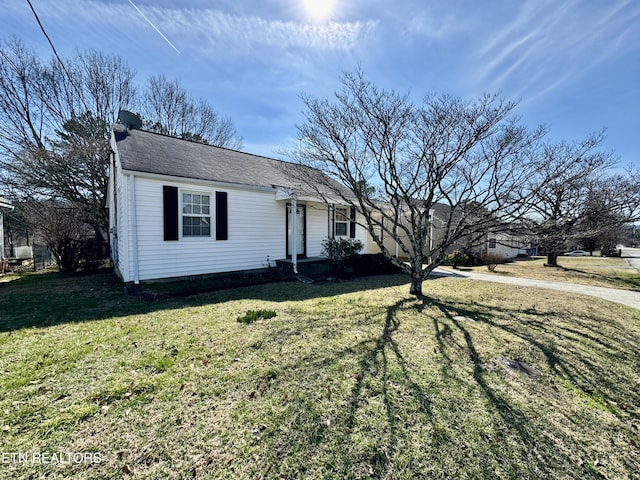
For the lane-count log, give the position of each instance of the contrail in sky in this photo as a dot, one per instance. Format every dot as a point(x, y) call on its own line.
point(154, 27)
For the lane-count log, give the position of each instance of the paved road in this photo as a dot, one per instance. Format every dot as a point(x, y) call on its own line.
point(632, 256)
point(625, 297)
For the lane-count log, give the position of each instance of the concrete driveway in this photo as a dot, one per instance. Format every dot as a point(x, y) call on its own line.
point(625, 297)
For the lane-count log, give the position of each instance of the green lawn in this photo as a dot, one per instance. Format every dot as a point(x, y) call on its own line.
point(597, 271)
point(351, 379)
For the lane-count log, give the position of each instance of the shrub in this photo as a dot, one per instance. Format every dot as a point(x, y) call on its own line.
point(92, 254)
point(372, 264)
point(456, 258)
point(491, 260)
point(339, 249)
point(71, 241)
point(610, 251)
point(253, 315)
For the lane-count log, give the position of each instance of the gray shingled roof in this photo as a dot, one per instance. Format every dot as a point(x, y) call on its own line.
point(148, 152)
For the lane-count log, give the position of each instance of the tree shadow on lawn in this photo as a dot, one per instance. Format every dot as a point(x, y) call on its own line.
point(53, 298)
point(406, 411)
point(399, 420)
point(630, 281)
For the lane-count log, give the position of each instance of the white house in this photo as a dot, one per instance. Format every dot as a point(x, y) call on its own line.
point(509, 246)
point(179, 208)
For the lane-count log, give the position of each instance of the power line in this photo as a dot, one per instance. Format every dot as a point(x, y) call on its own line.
point(55, 52)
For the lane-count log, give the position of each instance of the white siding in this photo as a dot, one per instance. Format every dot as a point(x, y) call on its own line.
point(256, 226)
point(255, 232)
point(506, 246)
point(361, 232)
point(317, 227)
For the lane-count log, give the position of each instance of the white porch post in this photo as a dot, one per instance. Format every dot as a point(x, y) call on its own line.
point(395, 230)
point(1, 236)
point(294, 238)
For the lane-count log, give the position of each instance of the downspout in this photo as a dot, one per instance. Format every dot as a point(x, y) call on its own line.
point(113, 229)
point(134, 229)
point(294, 239)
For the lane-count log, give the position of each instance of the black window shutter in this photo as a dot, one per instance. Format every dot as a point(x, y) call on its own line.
point(222, 224)
point(170, 210)
point(332, 221)
point(352, 223)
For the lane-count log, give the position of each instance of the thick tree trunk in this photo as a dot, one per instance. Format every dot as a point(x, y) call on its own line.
point(416, 286)
point(552, 259)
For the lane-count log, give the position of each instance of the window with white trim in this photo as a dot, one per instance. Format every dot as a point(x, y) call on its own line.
point(340, 223)
point(196, 215)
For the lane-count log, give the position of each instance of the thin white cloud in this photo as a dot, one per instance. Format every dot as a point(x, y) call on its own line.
point(549, 44)
point(192, 28)
point(217, 28)
point(427, 22)
point(434, 26)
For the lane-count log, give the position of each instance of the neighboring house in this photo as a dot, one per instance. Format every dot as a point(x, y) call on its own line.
point(179, 208)
point(502, 244)
point(4, 205)
point(438, 215)
point(508, 246)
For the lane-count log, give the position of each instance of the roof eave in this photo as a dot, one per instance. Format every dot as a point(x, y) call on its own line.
point(204, 181)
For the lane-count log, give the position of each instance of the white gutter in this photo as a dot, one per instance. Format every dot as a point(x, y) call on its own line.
point(134, 229)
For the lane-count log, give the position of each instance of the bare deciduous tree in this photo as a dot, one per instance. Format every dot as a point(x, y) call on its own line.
point(579, 198)
point(24, 118)
point(54, 126)
point(168, 109)
point(74, 168)
point(612, 201)
point(101, 84)
point(36, 98)
point(461, 167)
point(61, 225)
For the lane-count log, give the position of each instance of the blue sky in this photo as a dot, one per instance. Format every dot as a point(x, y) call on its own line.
point(573, 65)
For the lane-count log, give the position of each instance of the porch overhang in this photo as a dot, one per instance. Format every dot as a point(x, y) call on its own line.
point(284, 194)
point(4, 203)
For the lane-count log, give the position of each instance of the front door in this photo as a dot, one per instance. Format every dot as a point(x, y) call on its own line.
point(301, 231)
